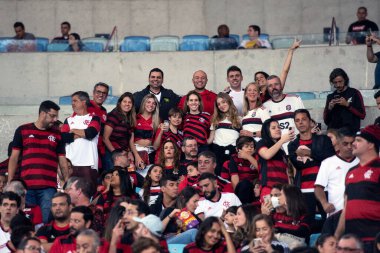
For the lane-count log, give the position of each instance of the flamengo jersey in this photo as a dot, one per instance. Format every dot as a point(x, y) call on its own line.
point(254, 119)
point(82, 152)
point(210, 208)
point(5, 239)
point(283, 112)
point(197, 126)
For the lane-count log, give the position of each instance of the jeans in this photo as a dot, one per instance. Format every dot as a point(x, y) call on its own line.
point(41, 197)
point(183, 238)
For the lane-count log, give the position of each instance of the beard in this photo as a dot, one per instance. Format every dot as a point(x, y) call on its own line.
point(211, 195)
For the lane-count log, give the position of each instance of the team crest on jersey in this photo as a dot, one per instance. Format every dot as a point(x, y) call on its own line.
point(288, 107)
point(226, 203)
point(202, 120)
point(368, 174)
point(338, 168)
point(86, 122)
point(351, 176)
point(51, 138)
point(253, 114)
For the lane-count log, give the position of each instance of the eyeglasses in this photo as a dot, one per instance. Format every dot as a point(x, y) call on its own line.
point(98, 92)
point(33, 248)
point(345, 249)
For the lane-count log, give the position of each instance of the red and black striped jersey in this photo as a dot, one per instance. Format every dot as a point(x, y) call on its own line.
point(101, 112)
point(197, 126)
point(363, 200)
point(295, 226)
point(220, 247)
point(121, 130)
point(241, 167)
point(144, 128)
point(39, 155)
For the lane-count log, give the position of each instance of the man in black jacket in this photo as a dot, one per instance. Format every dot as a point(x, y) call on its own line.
point(167, 98)
point(306, 153)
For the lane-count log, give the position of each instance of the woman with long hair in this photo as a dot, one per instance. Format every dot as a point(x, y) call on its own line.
point(180, 224)
point(169, 157)
point(326, 243)
point(196, 122)
point(120, 186)
point(225, 127)
point(147, 122)
point(254, 112)
point(273, 166)
point(243, 222)
point(209, 238)
point(117, 212)
point(119, 126)
point(151, 188)
point(263, 237)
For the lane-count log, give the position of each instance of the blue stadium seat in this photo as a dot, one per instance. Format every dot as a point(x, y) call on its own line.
point(135, 44)
point(176, 248)
point(194, 43)
point(111, 100)
point(264, 36)
point(57, 47)
point(65, 100)
point(100, 40)
point(42, 44)
point(245, 37)
point(305, 95)
point(282, 42)
point(313, 239)
point(93, 46)
point(223, 43)
point(4, 41)
point(236, 37)
point(164, 43)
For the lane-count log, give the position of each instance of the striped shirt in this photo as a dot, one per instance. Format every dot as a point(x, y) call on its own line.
point(197, 126)
point(122, 131)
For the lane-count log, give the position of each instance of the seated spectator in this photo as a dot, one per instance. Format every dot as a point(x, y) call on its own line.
point(209, 238)
point(326, 243)
point(151, 188)
point(65, 31)
point(3, 182)
point(373, 57)
point(169, 158)
point(223, 32)
point(143, 245)
point(23, 41)
point(377, 244)
point(124, 160)
point(192, 177)
point(180, 223)
point(105, 185)
point(229, 219)
point(29, 244)
point(189, 154)
point(168, 196)
point(256, 193)
point(75, 43)
point(244, 225)
point(115, 217)
point(263, 237)
point(350, 243)
point(9, 205)
point(254, 41)
point(19, 233)
point(358, 30)
point(223, 39)
point(88, 241)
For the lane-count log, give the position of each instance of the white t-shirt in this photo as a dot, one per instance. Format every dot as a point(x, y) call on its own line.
point(254, 119)
point(332, 175)
point(209, 208)
point(238, 99)
point(5, 238)
point(283, 112)
point(224, 134)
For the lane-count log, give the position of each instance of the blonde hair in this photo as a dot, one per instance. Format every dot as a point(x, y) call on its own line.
point(155, 114)
point(246, 108)
point(186, 108)
point(232, 113)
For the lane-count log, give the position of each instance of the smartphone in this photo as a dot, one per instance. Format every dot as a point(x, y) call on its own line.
point(257, 242)
point(336, 96)
point(266, 198)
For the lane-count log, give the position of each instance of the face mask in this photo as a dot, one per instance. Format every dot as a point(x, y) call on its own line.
point(275, 201)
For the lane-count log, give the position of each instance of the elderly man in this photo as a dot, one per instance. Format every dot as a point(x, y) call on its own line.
point(80, 133)
point(208, 97)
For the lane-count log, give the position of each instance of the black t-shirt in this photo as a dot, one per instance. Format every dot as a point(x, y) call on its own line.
point(51, 231)
point(359, 29)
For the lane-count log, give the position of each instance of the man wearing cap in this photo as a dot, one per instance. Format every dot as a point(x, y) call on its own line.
point(361, 214)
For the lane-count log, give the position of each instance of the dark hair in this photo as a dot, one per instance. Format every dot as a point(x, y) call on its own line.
point(19, 24)
point(304, 249)
point(128, 118)
point(175, 110)
point(207, 175)
point(205, 226)
point(187, 138)
point(82, 95)
point(103, 85)
point(76, 36)
point(277, 186)
point(192, 163)
point(144, 243)
point(86, 211)
point(24, 242)
point(185, 195)
point(265, 132)
point(193, 92)
point(322, 239)
point(208, 154)
point(105, 173)
point(66, 23)
point(247, 231)
point(176, 158)
point(148, 182)
point(273, 77)
point(304, 111)
point(353, 236)
point(256, 28)
point(142, 207)
point(233, 68)
point(157, 70)
point(20, 220)
point(232, 209)
point(377, 94)
point(47, 105)
point(263, 73)
point(115, 153)
point(126, 187)
point(116, 213)
point(11, 196)
point(166, 178)
point(339, 72)
point(344, 132)
point(243, 140)
point(296, 206)
point(363, 8)
point(62, 194)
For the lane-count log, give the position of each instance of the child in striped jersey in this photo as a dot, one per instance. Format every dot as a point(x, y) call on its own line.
point(151, 188)
point(224, 129)
point(196, 122)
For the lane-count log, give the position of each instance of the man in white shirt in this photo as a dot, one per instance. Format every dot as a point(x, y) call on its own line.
point(214, 202)
point(234, 78)
point(9, 205)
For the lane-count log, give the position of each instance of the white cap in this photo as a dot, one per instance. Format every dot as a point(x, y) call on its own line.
point(151, 222)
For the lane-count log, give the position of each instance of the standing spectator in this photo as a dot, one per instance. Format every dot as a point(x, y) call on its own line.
point(361, 214)
point(377, 98)
point(344, 107)
point(23, 41)
point(373, 57)
point(9, 205)
point(60, 225)
point(208, 97)
point(80, 132)
point(254, 32)
point(40, 147)
point(167, 98)
point(358, 30)
point(306, 153)
point(236, 92)
point(65, 31)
